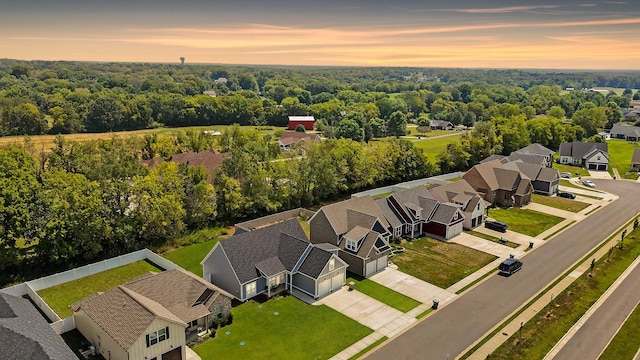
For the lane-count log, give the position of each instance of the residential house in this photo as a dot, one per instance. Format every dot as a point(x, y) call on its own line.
point(210, 160)
point(535, 150)
point(545, 180)
point(420, 213)
point(635, 160)
point(307, 121)
point(592, 156)
point(499, 186)
point(441, 125)
point(272, 259)
point(152, 316)
point(625, 131)
point(25, 334)
point(461, 194)
point(358, 229)
point(291, 138)
point(631, 115)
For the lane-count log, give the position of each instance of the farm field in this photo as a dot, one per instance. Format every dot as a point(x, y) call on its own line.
point(621, 152)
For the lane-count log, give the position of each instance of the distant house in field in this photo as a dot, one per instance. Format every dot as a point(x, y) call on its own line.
point(441, 125)
point(358, 229)
point(592, 156)
point(307, 121)
point(462, 195)
point(630, 114)
point(274, 258)
point(626, 132)
point(291, 138)
point(635, 160)
point(25, 333)
point(498, 185)
point(152, 316)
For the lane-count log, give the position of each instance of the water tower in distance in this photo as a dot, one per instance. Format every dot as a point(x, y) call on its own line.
point(182, 60)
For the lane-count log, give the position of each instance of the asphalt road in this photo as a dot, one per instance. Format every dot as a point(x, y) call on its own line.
point(592, 338)
point(451, 329)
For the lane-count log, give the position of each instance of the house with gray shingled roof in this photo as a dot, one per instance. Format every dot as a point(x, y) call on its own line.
point(151, 316)
point(271, 259)
point(625, 131)
point(499, 186)
point(535, 150)
point(544, 180)
point(590, 155)
point(462, 195)
point(359, 229)
point(25, 334)
point(635, 160)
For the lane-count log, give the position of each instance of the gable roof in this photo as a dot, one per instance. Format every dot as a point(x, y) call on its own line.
point(536, 149)
point(210, 160)
point(181, 292)
point(445, 212)
point(315, 262)
point(501, 158)
point(25, 334)
point(123, 314)
point(457, 192)
point(528, 158)
point(578, 149)
point(389, 213)
point(344, 214)
point(418, 199)
point(635, 159)
point(625, 129)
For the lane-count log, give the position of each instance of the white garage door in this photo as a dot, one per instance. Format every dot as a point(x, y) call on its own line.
point(337, 281)
point(371, 268)
point(382, 263)
point(324, 287)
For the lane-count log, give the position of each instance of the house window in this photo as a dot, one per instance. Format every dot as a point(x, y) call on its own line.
point(352, 245)
point(250, 289)
point(397, 231)
point(157, 336)
point(332, 264)
point(219, 312)
point(193, 323)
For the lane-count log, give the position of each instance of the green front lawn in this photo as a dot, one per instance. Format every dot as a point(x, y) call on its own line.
point(525, 221)
point(189, 257)
point(383, 294)
point(620, 152)
point(569, 184)
point(283, 328)
point(571, 169)
point(491, 238)
point(560, 203)
point(60, 297)
point(440, 263)
point(432, 147)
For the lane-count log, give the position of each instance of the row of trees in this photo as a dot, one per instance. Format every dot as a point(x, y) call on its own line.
point(91, 200)
point(40, 97)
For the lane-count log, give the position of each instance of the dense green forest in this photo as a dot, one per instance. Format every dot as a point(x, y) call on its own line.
point(90, 200)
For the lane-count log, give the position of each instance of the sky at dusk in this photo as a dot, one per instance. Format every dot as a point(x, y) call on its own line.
point(549, 34)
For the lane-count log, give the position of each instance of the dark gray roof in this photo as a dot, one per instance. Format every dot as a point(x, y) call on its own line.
point(270, 266)
point(416, 198)
point(536, 149)
point(250, 248)
point(493, 157)
point(326, 247)
point(528, 158)
point(635, 159)
point(25, 334)
point(444, 213)
point(315, 262)
point(625, 129)
point(342, 215)
point(578, 149)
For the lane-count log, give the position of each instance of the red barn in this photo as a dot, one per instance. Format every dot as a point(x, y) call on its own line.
point(306, 121)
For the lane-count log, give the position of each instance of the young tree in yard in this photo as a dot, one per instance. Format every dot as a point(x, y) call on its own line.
point(300, 128)
point(455, 158)
point(350, 129)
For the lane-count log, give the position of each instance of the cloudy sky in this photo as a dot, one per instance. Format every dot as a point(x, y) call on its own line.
point(560, 34)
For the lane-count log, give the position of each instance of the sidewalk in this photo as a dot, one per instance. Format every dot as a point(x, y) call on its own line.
point(539, 305)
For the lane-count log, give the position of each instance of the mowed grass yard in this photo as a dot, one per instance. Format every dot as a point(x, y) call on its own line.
point(440, 263)
point(60, 297)
point(283, 328)
point(383, 294)
point(621, 152)
point(525, 221)
point(189, 257)
point(431, 147)
point(560, 203)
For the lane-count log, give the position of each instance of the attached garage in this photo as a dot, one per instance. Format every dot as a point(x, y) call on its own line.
point(602, 167)
point(332, 283)
point(376, 265)
point(592, 167)
point(175, 354)
point(436, 229)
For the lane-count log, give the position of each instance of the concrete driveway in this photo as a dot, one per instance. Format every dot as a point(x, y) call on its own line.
point(410, 286)
point(600, 174)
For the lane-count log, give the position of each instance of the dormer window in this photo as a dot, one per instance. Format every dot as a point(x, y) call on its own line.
point(351, 245)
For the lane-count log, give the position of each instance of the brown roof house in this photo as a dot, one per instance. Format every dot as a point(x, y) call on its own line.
point(358, 229)
point(590, 155)
point(498, 185)
point(419, 213)
point(151, 316)
point(635, 160)
point(461, 194)
point(272, 259)
point(210, 160)
point(25, 334)
point(545, 180)
point(291, 138)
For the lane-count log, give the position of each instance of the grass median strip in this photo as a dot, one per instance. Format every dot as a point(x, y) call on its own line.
point(560, 203)
point(383, 294)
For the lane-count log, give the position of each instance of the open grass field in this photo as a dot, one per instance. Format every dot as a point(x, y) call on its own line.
point(619, 347)
point(525, 221)
point(383, 294)
point(546, 328)
point(60, 297)
point(45, 142)
point(560, 203)
point(432, 146)
point(621, 152)
point(189, 257)
point(440, 263)
point(283, 328)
